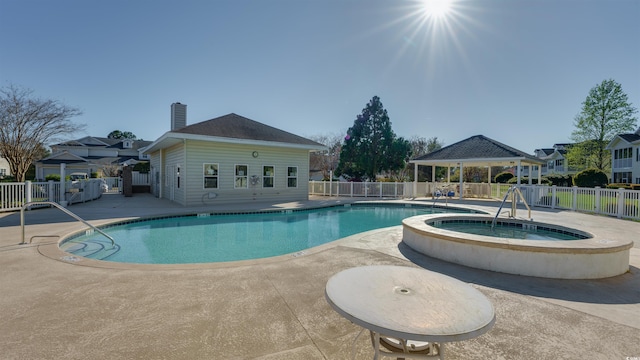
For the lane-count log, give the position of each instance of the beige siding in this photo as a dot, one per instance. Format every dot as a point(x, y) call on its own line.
point(174, 184)
point(156, 173)
point(229, 155)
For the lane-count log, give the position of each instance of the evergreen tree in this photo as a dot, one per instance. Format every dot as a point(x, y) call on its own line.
point(371, 146)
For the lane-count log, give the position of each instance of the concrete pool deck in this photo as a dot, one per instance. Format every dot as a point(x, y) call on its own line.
point(275, 309)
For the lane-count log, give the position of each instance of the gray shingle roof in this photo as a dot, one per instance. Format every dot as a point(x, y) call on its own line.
point(239, 127)
point(476, 147)
point(630, 137)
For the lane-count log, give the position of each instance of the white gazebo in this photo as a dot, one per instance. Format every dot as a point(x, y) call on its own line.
point(476, 151)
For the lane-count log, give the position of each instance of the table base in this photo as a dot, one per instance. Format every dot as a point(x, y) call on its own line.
point(385, 346)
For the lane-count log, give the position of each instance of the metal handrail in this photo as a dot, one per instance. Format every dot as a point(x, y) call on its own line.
point(436, 197)
point(113, 243)
point(512, 190)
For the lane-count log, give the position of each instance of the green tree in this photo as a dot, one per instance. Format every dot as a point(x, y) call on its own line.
point(606, 112)
point(27, 122)
point(117, 134)
point(371, 146)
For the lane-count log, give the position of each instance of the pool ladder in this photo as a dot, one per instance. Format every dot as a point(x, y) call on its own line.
point(113, 243)
point(513, 191)
point(442, 192)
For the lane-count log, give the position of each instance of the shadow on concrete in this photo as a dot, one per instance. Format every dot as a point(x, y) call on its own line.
point(623, 289)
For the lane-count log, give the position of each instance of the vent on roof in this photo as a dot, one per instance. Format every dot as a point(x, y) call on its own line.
point(178, 116)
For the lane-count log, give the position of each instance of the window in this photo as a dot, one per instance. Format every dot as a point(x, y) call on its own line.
point(3, 172)
point(292, 176)
point(559, 163)
point(622, 177)
point(267, 176)
point(210, 174)
point(241, 177)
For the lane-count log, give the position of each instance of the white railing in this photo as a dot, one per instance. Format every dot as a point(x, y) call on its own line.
point(14, 195)
point(360, 189)
point(622, 163)
point(621, 203)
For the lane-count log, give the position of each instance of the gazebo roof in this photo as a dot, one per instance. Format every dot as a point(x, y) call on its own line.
point(477, 150)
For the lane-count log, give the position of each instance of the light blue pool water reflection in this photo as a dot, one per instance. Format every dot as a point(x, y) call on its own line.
point(217, 238)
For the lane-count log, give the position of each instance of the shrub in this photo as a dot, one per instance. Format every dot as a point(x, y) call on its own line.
point(590, 178)
point(559, 180)
point(503, 177)
point(54, 177)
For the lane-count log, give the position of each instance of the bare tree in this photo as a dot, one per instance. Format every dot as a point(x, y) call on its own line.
point(27, 123)
point(326, 161)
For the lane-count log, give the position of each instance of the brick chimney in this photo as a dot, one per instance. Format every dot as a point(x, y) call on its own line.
point(178, 116)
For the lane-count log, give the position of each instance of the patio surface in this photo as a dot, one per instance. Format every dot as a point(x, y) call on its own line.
point(275, 308)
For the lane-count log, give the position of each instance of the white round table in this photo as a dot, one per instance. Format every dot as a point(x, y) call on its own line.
point(407, 303)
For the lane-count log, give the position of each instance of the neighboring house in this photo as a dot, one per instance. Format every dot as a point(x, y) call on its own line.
point(229, 159)
point(4, 168)
point(555, 161)
point(91, 154)
point(625, 158)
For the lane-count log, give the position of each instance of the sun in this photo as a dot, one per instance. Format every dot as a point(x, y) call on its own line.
point(436, 9)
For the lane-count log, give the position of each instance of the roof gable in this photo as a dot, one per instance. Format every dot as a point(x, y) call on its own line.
point(627, 138)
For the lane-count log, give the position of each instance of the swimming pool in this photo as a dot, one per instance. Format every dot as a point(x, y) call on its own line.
point(203, 238)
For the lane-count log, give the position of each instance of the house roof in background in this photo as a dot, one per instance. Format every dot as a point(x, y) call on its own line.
point(630, 137)
point(96, 141)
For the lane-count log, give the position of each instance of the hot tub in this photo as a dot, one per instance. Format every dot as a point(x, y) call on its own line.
point(585, 256)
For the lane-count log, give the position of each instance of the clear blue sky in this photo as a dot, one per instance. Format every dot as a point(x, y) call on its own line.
point(516, 71)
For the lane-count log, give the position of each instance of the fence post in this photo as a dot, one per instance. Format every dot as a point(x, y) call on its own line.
point(381, 184)
point(50, 190)
point(27, 192)
point(620, 203)
point(574, 198)
point(553, 196)
point(598, 194)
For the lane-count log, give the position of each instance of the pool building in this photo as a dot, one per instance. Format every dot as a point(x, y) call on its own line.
point(228, 159)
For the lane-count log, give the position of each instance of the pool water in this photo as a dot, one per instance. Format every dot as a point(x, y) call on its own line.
point(509, 230)
point(217, 238)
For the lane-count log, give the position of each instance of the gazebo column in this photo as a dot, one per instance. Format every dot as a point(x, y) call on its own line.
point(530, 173)
point(489, 179)
point(461, 182)
point(433, 173)
point(539, 174)
point(415, 180)
point(518, 170)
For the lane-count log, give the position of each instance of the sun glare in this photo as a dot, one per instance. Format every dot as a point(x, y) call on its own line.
point(436, 8)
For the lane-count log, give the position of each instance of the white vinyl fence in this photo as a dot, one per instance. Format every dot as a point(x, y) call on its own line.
point(620, 203)
point(14, 195)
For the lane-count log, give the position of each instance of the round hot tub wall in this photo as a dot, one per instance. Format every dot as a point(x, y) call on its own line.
point(590, 257)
